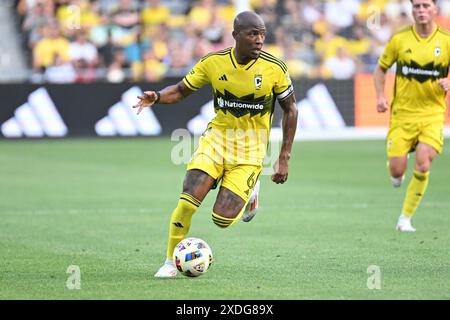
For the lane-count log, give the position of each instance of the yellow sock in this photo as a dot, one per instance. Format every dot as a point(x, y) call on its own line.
point(415, 192)
point(223, 222)
point(180, 221)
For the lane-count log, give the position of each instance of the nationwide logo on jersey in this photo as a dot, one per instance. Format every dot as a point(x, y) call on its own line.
point(421, 73)
point(240, 106)
point(36, 118)
point(319, 113)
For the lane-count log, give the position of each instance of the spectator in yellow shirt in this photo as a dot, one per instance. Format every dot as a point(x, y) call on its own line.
point(154, 13)
point(51, 44)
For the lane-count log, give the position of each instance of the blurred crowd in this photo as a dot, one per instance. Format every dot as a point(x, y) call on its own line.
point(84, 41)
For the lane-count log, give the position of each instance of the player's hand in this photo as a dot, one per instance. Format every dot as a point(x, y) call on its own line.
point(444, 83)
point(382, 104)
point(146, 100)
point(281, 171)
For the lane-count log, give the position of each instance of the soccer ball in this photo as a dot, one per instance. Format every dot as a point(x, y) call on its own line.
point(192, 257)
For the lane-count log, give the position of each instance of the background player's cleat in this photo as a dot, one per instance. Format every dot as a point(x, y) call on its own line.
point(252, 205)
point(167, 270)
point(404, 224)
point(397, 182)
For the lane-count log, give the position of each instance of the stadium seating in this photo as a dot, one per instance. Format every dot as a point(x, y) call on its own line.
point(135, 40)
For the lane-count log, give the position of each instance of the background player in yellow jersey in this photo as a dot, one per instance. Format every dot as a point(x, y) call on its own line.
point(245, 82)
point(422, 54)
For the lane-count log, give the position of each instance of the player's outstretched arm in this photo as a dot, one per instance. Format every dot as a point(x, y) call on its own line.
point(289, 127)
point(170, 94)
point(379, 79)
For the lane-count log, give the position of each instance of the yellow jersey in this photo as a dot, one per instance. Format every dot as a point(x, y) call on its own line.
point(421, 62)
point(244, 101)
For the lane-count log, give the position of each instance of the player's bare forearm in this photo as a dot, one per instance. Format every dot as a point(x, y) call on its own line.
point(379, 79)
point(170, 94)
point(174, 93)
point(289, 127)
point(289, 124)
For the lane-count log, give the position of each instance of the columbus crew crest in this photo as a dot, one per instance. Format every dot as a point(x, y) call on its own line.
point(437, 51)
point(258, 81)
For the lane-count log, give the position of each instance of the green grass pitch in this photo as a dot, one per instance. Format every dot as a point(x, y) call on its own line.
point(104, 206)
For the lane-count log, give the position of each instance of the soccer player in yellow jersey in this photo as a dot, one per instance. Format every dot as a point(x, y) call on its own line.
point(245, 82)
point(422, 54)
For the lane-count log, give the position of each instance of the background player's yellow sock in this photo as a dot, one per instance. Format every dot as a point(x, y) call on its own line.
point(415, 192)
point(180, 221)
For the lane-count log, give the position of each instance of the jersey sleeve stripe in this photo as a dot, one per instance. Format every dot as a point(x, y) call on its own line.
point(186, 81)
point(286, 93)
point(444, 31)
point(275, 62)
point(272, 58)
point(268, 55)
point(218, 53)
point(266, 59)
point(383, 65)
